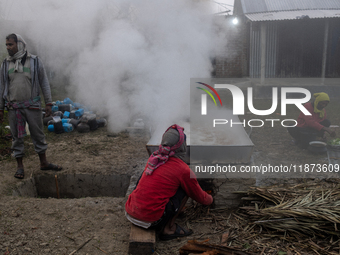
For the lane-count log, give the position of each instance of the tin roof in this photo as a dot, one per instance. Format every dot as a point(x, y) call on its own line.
point(256, 6)
point(290, 15)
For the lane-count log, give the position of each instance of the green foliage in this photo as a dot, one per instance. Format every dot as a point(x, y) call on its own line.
point(335, 141)
point(3, 132)
point(5, 123)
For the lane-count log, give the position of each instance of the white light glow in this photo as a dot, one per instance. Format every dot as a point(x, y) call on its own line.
point(235, 21)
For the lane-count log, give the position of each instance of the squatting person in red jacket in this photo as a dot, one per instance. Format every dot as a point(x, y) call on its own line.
point(311, 126)
point(164, 188)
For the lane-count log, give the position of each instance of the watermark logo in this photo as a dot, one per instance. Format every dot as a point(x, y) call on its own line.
point(239, 103)
point(238, 99)
point(221, 125)
point(204, 97)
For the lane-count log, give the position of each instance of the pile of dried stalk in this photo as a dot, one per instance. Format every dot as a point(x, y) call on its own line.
point(311, 209)
point(296, 219)
point(196, 211)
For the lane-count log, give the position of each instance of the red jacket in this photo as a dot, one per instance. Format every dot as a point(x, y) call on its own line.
point(147, 202)
point(310, 121)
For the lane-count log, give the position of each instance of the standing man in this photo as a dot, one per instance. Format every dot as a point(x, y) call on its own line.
point(22, 75)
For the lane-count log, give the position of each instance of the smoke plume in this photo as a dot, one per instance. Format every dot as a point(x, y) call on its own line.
point(126, 59)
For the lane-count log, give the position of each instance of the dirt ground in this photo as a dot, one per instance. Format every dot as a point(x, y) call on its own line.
point(60, 226)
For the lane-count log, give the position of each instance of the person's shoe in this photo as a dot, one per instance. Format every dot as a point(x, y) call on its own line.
point(20, 173)
point(166, 237)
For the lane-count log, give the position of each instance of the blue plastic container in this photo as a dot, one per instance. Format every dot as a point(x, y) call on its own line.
point(77, 105)
point(66, 115)
point(65, 120)
point(79, 112)
point(68, 101)
point(55, 108)
point(68, 127)
point(50, 128)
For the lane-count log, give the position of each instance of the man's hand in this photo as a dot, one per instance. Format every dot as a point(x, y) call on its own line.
point(48, 110)
point(1, 116)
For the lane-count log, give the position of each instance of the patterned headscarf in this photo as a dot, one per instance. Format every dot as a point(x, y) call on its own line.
point(172, 142)
point(319, 97)
point(19, 55)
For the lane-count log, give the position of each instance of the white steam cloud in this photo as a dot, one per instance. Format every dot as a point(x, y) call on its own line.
point(126, 58)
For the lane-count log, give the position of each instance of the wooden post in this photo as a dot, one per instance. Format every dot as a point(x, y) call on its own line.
point(263, 52)
point(142, 241)
point(56, 185)
point(324, 55)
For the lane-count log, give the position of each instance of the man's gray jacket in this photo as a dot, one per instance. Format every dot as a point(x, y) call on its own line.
point(38, 79)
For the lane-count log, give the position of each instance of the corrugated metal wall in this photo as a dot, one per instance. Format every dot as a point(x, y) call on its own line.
point(271, 49)
point(300, 46)
point(255, 50)
point(333, 52)
point(295, 49)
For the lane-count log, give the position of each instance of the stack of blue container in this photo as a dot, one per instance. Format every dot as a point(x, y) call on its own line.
point(67, 116)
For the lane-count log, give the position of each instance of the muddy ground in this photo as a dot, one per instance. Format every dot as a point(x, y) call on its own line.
point(59, 226)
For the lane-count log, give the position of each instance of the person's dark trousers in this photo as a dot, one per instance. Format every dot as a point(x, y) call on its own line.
point(171, 209)
point(303, 136)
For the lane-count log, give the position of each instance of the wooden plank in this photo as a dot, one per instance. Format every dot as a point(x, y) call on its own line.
point(239, 192)
point(247, 208)
point(142, 241)
point(252, 198)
